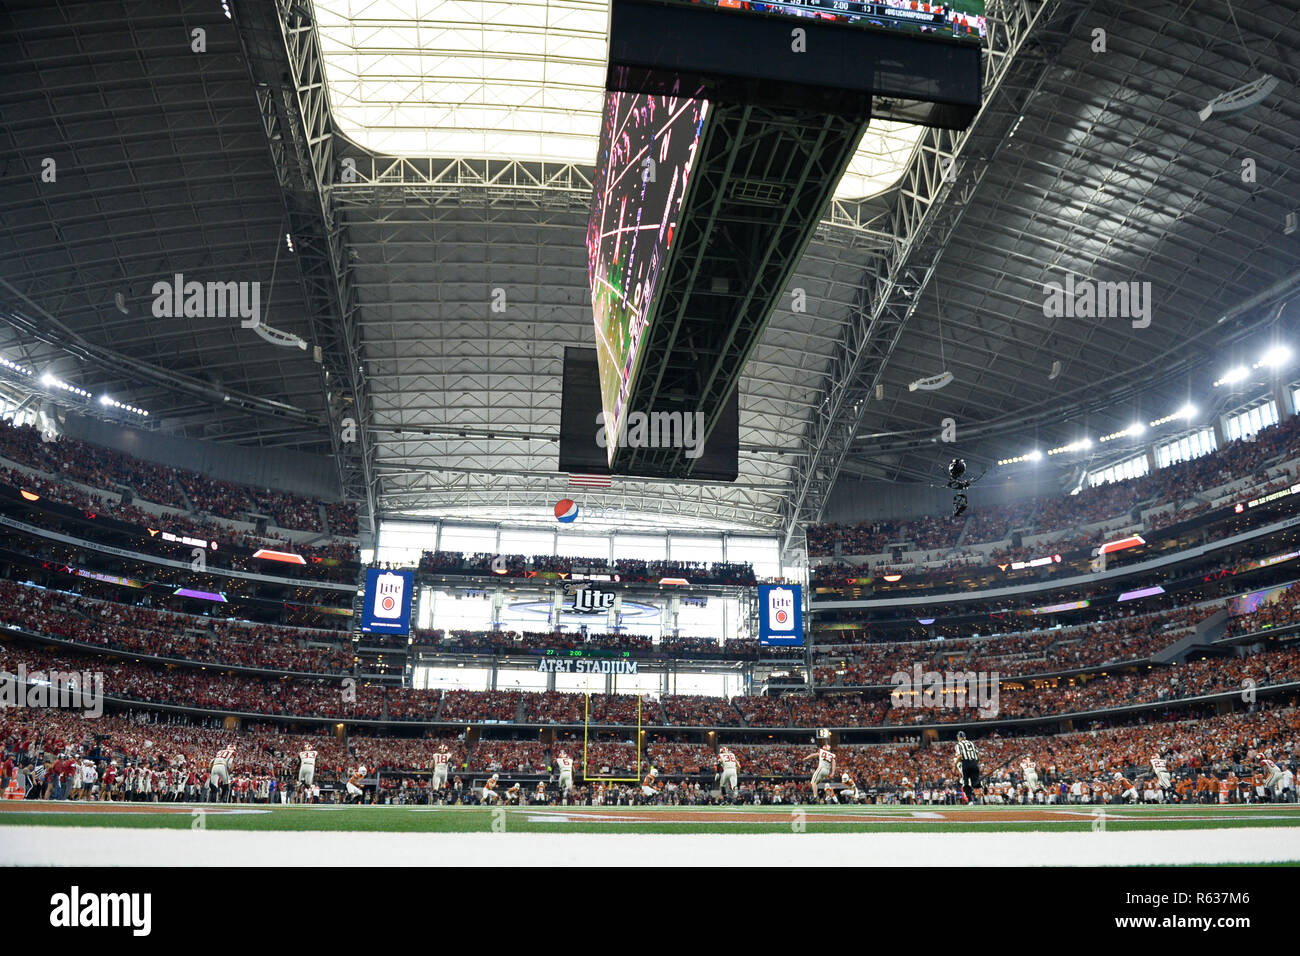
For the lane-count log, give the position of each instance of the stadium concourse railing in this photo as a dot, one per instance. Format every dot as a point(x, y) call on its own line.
point(945, 728)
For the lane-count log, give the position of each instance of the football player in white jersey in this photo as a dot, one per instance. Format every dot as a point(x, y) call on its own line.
point(1030, 774)
point(222, 765)
point(306, 770)
point(1161, 770)
point(825, 758)
point(1272, 777)
point(728, 777)
point(565, 763)
point(441, 761)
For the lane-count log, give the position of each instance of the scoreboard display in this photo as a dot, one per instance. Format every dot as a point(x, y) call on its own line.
point(956, 19)
point(647, 143)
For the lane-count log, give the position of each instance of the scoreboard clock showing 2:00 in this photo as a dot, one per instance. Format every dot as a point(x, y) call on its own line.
point(780, 615)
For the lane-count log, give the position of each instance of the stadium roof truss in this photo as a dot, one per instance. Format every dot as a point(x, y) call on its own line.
point(433, 175)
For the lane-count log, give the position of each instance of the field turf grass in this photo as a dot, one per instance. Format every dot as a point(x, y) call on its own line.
point(667, 820)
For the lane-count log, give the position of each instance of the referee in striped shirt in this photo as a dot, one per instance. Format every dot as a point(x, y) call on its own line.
point(967, 761)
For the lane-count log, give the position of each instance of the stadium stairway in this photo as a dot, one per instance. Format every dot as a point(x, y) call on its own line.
point(1213, 628)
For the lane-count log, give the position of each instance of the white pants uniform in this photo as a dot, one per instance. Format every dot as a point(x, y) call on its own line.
point(353, 789)
point(440, 777)
point(1130, 793)
point(1031, 781)
point(490, 795)
point(1162, 778)
point(1274, 783)
point(649, 791)
point(728, 779)
point(306, 775)
point(566, 782)
point(220, 774)
point(822, 772)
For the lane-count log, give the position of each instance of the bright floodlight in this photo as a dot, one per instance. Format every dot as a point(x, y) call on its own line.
point(1233, 376)
point(105, 400)
point(1035, 455)
point(1187, 411)
point(1277, 356)
point(48, 380)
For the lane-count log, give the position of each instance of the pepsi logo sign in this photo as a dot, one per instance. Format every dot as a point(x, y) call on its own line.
point(566, 510)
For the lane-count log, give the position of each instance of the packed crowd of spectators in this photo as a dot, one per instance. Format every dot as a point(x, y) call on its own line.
point(687, 710)
point(1278, 613)
point(1175, 485)
point(190, 526)
point(110, 470)
point(1018, 654)
point(159, 633)
point(502, 642)
point(627, 569)
point(1201, 753)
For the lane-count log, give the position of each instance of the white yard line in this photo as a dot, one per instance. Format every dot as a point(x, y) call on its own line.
point(104, 846)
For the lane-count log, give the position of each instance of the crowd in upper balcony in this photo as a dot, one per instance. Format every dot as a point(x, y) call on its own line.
point(627, 569)
point(110, 470)
point(161, 633)
point(1024, 653)
point(1183, 483)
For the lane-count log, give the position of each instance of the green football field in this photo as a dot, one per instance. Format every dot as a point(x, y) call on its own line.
point(663, 820)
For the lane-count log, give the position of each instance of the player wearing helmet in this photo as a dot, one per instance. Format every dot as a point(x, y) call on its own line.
point(441, 761)
point(565, 765)
point(648, 784)
point(825, 758)
point(729, 774)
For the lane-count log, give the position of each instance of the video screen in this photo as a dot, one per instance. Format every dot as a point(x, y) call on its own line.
point(958, 19)
point(647, 144)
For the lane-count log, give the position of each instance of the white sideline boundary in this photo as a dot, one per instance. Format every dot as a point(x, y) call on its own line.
point(108, 846)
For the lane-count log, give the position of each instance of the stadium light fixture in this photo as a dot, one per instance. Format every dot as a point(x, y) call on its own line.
point(1081, 445)
point(1275, 357)
point(1233, 376)
point(1187, 412)
point(1137, 428)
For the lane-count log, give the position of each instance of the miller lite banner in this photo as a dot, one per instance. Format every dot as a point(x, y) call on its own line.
point(387, 608)
point(780, 615)
point(588, 599)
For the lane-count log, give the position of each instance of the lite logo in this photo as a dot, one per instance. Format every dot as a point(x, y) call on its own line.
point(590, 600)
point(75, 909)
point(389, 590)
